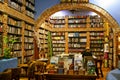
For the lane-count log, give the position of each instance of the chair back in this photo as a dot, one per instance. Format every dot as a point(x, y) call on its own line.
point(40, 66)
point(16, 73)
point(31, 70)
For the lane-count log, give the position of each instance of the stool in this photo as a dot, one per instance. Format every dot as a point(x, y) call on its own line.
point(98, 63)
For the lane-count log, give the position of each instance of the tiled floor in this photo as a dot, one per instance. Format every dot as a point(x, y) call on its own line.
point(105, 71)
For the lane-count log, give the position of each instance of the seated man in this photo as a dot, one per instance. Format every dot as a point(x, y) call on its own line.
point(87, 52)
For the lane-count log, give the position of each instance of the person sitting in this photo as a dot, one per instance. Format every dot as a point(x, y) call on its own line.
point(87, 52)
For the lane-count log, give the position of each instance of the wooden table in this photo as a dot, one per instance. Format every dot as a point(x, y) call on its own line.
point(69, 77)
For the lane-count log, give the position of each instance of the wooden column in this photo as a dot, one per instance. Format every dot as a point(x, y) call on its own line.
point(66, 42)
point(88, 33)
point(66, 35)
point(5, 28)
point(23, 51)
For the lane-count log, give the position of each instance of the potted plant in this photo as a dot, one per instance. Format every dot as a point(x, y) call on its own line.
point(9, 48)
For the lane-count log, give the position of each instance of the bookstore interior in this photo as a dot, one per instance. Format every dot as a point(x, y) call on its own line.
point(72, 40)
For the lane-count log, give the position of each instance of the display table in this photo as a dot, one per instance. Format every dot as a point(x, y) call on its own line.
point(69, 77)
point(113, 75)
point(8, 63)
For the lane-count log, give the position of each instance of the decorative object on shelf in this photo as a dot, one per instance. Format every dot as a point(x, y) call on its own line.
point(8, 51)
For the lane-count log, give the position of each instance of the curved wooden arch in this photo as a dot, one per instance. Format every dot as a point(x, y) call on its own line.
point(71, 6)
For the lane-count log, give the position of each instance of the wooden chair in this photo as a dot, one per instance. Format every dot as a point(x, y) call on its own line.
point(11, 74)
point(5, 75)
point(15, 73)
point(31, 70)
point(40, 69)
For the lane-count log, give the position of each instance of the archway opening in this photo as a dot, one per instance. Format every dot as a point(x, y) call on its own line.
point(76, 8)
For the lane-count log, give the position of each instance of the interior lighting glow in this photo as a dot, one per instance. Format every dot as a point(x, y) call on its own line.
point(60, 13)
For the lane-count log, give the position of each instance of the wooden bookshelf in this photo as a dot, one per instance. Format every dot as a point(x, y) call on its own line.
point(45, 38)
point(16, 23)
point(81, 32)
point(111, 49)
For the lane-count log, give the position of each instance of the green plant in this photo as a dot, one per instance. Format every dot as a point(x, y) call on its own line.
point(9, 48)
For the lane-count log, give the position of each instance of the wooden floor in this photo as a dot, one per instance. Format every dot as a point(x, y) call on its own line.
point(105, 71)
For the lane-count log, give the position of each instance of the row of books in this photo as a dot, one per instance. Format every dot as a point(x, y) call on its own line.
point(76, 50)
point(60, 42)
point(57, 21)
point(31, 6)
point(18, 38)
point(17, 46)
point(77, 21)
point(59, 26)
point(96, 34)
point(28, 46)
point(98, 20)
point(80, 25)
point(30, 13)
point(58, 38)
point(77, 40)
point(28, 39)
point(17, 53)
point(77, 25)
point(76, 45)
point(29, 27)
point(58, 49)
point(57, 17)
point(58, 33)
point(18, 1)
point(76, 34)
point(97, 49)
point(14, 30)
point(97, 45)
point(97, 41)
point(41, 31)
point(97, 38)
point(57, 53)
point(29, 52)
point(98, 25)
point(32, 1)
point(93, 18)
point(58, 45)
point(28, 33)
point(14, 5)
point(14, 22)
